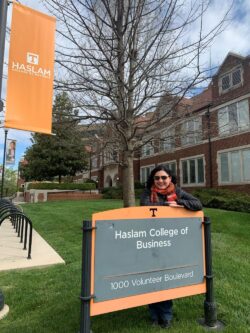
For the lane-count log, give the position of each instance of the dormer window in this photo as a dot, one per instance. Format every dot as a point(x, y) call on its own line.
point(236, 76)
point(225, 82)
point(231, 80)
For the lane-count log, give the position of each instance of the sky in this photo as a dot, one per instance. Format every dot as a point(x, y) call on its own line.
point(234, 38)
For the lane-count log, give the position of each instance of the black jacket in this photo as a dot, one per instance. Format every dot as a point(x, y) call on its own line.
point(185, 199)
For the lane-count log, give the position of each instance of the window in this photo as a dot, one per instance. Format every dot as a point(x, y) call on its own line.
point(193, 171)
point(230, 80)
point(111, 156)
point(147, 149)
point(233, 118)
point(94, 162)
point(168, 140)
point(170, 166)
point(145, 172)
point(234, 166)
point(225, 82)
point(191, 132)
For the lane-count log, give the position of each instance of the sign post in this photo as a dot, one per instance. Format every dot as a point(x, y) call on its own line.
point(210, 311)
point(86, 275)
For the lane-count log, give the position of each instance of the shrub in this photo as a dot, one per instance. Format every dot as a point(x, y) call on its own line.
point(223, 199)
point(62, 186)
point(90, 181)
point(138, 192)
point(138, 184)
point(112, 193)
point(116, 192)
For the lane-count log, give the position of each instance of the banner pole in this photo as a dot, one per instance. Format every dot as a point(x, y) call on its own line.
point(4, 157)
point(3, 20)
point(86, 277)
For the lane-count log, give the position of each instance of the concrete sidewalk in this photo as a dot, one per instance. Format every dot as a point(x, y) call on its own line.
point(12, 255)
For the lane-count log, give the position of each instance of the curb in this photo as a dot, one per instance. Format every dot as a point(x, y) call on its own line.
point(4, 311)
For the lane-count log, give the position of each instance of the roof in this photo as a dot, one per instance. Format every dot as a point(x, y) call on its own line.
point(201, 100)
point(230, 54)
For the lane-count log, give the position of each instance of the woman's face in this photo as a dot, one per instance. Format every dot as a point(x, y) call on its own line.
point(162, 179)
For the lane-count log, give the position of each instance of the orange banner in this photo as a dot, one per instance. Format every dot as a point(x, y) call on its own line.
point(31, 70)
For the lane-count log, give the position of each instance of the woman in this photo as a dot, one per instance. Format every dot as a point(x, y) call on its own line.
point(161, 191)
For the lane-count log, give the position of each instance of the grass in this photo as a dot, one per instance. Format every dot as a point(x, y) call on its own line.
point(46, 300)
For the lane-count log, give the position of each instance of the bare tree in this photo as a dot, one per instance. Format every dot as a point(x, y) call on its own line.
point(118, 58)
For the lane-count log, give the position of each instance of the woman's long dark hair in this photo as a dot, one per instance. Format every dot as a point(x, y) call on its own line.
point(150, 180)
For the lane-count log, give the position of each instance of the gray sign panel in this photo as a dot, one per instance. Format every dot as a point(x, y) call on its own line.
point(138, 256)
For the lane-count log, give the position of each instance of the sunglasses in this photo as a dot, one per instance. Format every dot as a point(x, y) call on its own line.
point(160, 177)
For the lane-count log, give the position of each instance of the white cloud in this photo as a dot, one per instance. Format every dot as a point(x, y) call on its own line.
point(234, 37)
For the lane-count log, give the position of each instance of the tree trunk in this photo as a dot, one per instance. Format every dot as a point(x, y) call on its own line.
point(128, 180)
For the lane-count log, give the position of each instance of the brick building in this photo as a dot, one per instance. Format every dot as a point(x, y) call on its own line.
point(205, 140)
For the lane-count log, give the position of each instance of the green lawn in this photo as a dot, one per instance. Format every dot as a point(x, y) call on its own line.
point(46, 300)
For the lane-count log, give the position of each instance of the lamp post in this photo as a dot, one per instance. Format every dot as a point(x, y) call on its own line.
point(90, 164)
point(3, 20)
point(88, 149)
point(4, 157)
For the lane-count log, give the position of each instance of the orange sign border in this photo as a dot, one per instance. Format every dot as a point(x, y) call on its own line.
point(152, 297)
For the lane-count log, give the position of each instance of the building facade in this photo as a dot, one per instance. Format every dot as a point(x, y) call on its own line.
point(205, 141)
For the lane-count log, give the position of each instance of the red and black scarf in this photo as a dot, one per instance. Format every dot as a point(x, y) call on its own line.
point(169, 192)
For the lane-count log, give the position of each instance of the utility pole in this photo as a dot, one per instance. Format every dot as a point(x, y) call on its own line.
point(3, 21)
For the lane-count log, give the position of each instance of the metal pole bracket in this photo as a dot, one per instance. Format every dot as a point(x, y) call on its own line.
point(87, 298)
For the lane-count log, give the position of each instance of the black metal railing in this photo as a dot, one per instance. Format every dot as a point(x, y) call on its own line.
point(20, 222)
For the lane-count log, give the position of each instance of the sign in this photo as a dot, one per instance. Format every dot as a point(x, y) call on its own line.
point(30, 70)
point(10, 151)
point(143, 255)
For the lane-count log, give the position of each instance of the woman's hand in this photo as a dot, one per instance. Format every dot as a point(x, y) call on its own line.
point(174, 204)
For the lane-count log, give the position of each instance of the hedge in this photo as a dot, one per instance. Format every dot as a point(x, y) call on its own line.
point(116, 192)
point(213, 198)
point(62, 186)
point(223, 199)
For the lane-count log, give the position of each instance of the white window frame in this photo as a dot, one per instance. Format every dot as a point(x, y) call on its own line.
point(224, 112)
point(229, 151)
point(147, 150)
point(191, 138)
point(167, 140)
point(150, 167)
point(230, 76)
point(189, 184)
point(94, 162)
point(170, 162)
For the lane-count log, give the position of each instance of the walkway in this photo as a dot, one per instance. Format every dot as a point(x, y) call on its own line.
point(12, 255)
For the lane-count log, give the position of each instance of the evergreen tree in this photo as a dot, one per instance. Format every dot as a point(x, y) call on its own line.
point(58, 155)
point(10, 182)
